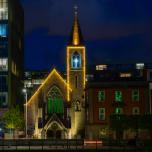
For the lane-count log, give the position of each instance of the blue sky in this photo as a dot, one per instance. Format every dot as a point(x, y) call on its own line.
point(115, 31)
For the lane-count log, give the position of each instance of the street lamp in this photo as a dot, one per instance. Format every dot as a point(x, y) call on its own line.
point(25, 93)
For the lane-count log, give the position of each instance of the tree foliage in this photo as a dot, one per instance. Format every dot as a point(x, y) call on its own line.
point(119, 123)
point(13, 119)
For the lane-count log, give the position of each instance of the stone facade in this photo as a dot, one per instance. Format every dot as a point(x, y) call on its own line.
point(57, 108)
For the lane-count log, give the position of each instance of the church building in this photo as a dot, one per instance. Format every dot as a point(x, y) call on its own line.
point(57, 107)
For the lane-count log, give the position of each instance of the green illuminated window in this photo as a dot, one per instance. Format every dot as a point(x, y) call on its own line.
point(118, 111)
point(135, 95)
point(49, 106)
point(101, 113)
point(55, 102)
point(55, 106)
point(118, 96)
point(101, 95)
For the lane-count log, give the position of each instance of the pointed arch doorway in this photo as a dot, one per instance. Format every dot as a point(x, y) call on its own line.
point(55, 131)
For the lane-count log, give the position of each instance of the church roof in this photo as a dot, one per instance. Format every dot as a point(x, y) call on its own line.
point(54, 72)
point(76, 37)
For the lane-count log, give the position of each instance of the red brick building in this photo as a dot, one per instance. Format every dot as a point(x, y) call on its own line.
point(113, 97)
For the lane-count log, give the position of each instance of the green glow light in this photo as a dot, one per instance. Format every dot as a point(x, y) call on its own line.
point(55, 106)
point(118, 96)
point(101, 95)
point(118, 111)
point(135, 95)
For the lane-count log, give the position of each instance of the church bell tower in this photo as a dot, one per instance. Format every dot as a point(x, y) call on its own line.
point(76, 75)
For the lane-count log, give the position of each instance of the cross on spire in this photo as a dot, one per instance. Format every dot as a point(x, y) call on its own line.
point(76, 35)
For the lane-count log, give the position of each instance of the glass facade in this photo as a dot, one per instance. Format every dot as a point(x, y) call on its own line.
point(101, 95)
point(135, 95)
point(3, 64)
point(10, 45)
point(118, 96)
point(101, 113)
point(3, 54)
point(3, 49)
point(3, 83)
point(3, 9)
point(3, 30)
point(3, 99)
point(3, 91)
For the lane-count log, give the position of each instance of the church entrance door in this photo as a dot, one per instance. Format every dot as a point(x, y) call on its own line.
point(54, 134)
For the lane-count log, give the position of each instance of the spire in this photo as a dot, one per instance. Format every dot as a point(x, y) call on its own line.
point(76, 35)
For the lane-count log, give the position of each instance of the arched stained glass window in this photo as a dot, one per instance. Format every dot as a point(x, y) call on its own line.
point(55, 101)
point(76, 60)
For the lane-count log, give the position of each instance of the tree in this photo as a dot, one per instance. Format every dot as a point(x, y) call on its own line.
point(118, 123)
point(134, 123)
point(146, 123)
point(13, 119)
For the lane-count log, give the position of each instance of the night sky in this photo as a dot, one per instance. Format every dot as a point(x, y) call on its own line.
point(115, 31)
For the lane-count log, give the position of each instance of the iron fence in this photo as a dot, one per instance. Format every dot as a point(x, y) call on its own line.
point(73, 144)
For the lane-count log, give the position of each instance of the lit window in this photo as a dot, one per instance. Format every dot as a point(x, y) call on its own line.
point(118, 96)
point(3, 30)
point(37, 81)
point(101, 67)
point(76, 60)
point(3, 10)
point(135, 111)
point(3, 64)
point(55, 101)
point(125, 75)
point(101, 113)
point(140, 66)
point(118, 111)
point(101, 95)
point(135, 95)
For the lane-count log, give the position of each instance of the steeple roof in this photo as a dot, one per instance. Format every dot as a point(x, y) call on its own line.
point(76, 37)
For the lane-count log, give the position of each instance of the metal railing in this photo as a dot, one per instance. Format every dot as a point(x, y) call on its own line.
point(72, 144)
point(17, 144)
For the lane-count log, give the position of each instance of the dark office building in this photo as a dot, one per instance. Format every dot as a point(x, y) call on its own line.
point(11, 53)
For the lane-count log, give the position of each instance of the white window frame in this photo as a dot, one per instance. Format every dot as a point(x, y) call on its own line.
point(104, 113)
point(133, 111)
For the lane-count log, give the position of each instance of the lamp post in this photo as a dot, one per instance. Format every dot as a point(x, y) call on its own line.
point(25, 93)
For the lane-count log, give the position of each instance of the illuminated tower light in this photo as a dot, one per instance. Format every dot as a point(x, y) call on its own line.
point(76, 61)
